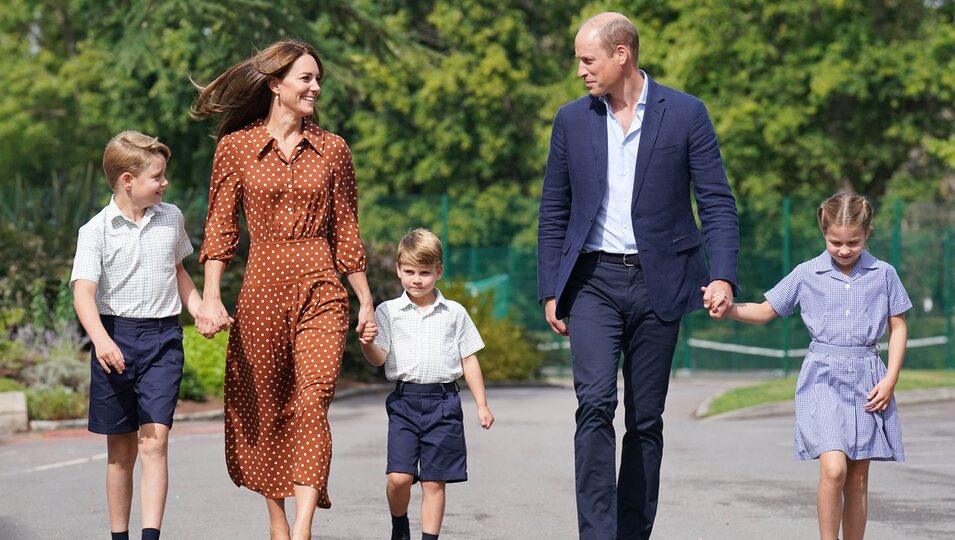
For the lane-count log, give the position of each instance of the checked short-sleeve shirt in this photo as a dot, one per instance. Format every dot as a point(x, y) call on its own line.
point(842, 310)
point(425, 346)
point(133, 265)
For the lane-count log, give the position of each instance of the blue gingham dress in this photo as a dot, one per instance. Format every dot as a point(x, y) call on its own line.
point(846, 317)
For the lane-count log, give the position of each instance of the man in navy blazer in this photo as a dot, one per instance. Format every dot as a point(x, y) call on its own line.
point(621, 260)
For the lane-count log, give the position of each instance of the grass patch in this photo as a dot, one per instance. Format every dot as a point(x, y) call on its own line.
point(783, 389)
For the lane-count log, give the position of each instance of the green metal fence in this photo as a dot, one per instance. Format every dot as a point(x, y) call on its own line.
point(915, 237)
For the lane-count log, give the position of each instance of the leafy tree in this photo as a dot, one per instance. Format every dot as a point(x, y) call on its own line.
point(78, 71)
point(812, 97)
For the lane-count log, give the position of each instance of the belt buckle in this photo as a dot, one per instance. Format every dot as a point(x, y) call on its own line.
point(629, 265)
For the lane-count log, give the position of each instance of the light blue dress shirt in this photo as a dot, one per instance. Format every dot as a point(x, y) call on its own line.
point(613, 226)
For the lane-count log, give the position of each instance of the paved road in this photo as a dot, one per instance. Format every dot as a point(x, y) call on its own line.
point(732, 480)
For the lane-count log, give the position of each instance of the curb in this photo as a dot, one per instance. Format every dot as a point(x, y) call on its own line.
point(783, 408)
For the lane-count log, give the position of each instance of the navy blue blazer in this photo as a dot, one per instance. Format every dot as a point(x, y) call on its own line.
point(678, 152)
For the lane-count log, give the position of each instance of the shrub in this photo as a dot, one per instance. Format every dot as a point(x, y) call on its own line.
point(205, 358)
point(10, 385)
point(191, 387)
point(58, 360)
point(56, 403)
point(510, 353)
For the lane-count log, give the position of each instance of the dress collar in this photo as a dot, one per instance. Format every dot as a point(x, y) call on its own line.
point(262, 140)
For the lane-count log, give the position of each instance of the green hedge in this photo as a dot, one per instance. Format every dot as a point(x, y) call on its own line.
point(204, 370)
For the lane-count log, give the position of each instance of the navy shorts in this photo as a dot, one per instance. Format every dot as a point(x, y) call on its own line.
point(426, 432)
point(146, 391)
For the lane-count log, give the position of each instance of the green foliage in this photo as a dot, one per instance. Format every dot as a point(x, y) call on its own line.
point(10, 385)
point(812, 97)
point(57, 359)
point(76, 72)
point(191, 386)
point(510, 352)
point(56, 403)
point(205, 364)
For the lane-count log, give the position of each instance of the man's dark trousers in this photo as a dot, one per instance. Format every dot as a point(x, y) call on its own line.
point(610, 314)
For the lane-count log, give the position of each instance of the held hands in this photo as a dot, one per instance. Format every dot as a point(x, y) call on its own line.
point(718, 298)
point(485, 416)
point(212, 318)
point(367, 327)
point(881, 395)
point(108, 354)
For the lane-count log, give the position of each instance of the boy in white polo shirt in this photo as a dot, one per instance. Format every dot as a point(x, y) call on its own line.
point(128, 289)
point(425, 342)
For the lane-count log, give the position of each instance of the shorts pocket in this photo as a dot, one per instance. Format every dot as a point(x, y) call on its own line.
point(451, 407)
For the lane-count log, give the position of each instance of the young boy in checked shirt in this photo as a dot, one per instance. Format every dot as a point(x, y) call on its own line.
point(128, 289)
point(425, 342)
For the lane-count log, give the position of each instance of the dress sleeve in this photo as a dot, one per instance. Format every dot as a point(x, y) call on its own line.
point(785, 295)
point(343, 234)
point(225, 198)
point(899, 301)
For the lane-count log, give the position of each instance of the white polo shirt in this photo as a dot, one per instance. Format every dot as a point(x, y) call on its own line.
point(133, 265)
point(425, 346)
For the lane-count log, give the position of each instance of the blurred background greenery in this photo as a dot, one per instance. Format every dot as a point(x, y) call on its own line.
point(447, 107)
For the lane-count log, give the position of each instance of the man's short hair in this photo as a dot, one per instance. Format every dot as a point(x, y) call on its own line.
point(420, 247)
point(617, 31)
point(132, 152)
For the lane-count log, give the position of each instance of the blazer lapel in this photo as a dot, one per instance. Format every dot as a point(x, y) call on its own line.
point(598, 137)
point(652, 118)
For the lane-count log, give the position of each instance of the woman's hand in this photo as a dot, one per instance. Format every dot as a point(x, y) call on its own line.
point(212, 317)
point(367, 327)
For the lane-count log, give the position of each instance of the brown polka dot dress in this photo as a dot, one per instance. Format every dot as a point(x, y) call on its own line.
point(291, 318)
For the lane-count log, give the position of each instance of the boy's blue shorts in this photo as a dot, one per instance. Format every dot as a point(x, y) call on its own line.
point(426, 432)
point(147, 390)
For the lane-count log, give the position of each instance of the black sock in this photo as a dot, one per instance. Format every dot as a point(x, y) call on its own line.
point(427, 536)
point(400, 529)
point(120, 535)
point(150, 534)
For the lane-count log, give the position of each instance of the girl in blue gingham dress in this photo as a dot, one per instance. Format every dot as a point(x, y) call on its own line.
point(845, 409)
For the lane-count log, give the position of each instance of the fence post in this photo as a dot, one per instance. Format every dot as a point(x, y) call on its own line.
point(895, 251)
point(947, 299)
point(444, 231)
point(787, 243)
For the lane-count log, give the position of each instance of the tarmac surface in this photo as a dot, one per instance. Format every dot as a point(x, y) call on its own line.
point(732, 479)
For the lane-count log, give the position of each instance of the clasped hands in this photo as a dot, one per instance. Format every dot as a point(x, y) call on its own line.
point(212, 318)
point(718, 298)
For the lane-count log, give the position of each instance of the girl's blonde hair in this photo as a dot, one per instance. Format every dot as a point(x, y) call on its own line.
point(132, 152)
point(241, 94)
point(420, 247)
point(845, 209)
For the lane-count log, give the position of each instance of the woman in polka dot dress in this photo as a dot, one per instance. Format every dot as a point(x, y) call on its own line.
point(295, 184)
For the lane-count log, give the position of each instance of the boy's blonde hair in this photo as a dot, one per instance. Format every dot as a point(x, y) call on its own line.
point(132, 152)
point(420, 247)
point(845, 209)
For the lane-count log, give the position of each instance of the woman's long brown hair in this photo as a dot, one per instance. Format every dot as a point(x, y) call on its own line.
point(241, 94)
